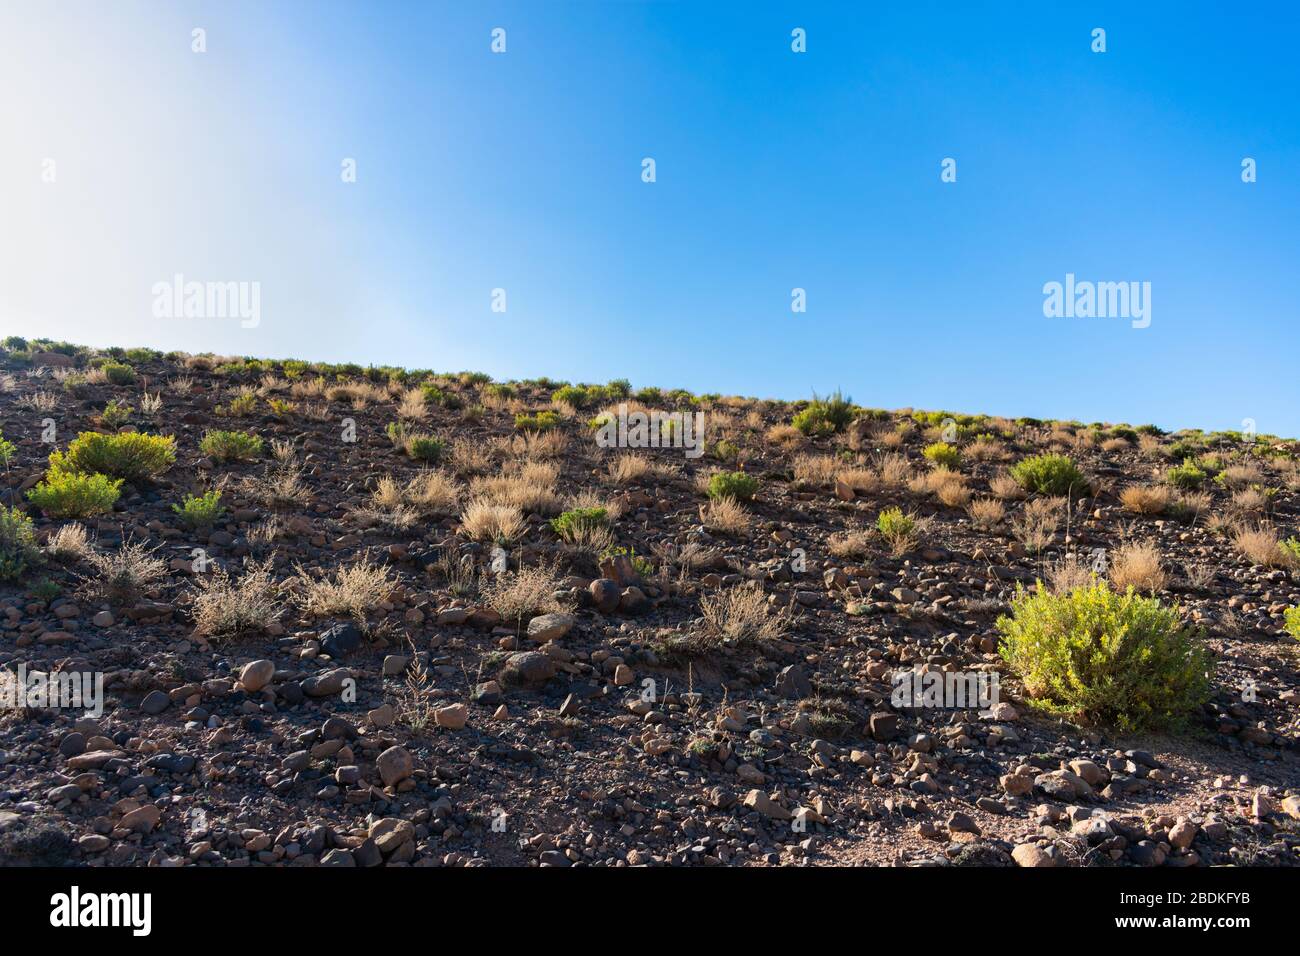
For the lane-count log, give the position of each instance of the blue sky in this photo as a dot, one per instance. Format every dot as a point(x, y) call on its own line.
point(775, 170)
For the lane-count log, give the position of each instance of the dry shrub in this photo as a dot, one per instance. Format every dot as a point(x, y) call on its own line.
point(740, 615)
point(1070, 573)
point(432, 493)
point(280, 487)
point(524, 594)
point(814, 471)
point(1261, 545)
point(986, 513)
point(487, 521)
point(70, 543)
point(725, 515)
point(1113, 446)
point(894, 471)
point(850, 544)
point(1235, 477)
point(785, 436)
point(224, 607)
point(1248, 501)
point(122, 576)
point(629, 468)
point(1005, 487)
point(531, 490)
point(1145, 499)
point(470, 457)
point(1137, 564)
point(863, 481)
point(348, 591)
point(1038, 522)
point(412, 406)
point(952, 491)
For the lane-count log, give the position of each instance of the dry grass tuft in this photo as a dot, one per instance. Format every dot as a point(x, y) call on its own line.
point(850, 544)
point(986, 513)
point(487, 521)
point(740, 615)
point(1260, 544)
point(1145, 499)
point(815, 471)
point(523, 594)
point(1137, 564)
point(629, 468)
point(225, 607)
point(70, 543)
point(122, 576)
point(348, 591)
point(724, 515)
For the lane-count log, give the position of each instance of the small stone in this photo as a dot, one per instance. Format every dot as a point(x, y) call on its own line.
point(256, 674)
point(1031, 855)
point(395, 765)
point(103, 619)
point(550, 627)
point(155, 702)
point(453, 716)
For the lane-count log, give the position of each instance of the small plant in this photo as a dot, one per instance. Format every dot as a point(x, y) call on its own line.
point(231, 445)
point(226, 607)
point(943, 454)
point(241, 406)
point(740, 616)
point(131, 455)
point(1054, 475)
point(121, 576)
point(733, 484)
point(18, 549)
point(572, 524)
point(69, 494)
point(7, 452)
point(46, 590)
point(425, 448)
point(200, 511)
point(897, 529)
point(1292, 619)
point(280, 408)
point(118, 373)
point(824, 416)
point(539, 422)
point(115, 414)
point(1186, 477)
point(1097, 655)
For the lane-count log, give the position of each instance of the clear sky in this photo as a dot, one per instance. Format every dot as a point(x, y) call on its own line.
point(775, 170)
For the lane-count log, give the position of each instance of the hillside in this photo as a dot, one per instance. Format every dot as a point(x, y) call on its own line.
point(436, 620)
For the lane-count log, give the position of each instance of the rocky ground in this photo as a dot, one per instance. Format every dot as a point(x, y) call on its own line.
point(614, 727)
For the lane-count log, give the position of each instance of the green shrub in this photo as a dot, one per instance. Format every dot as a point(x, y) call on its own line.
point(1291, 546)
point(941, 453)
point(13, 343)
point(200, 511)
point(1293, 622)
point(7, 452)
point(130, 455)
point(1096, 655)
point(231, 446)
point(119, 373)
point(70, 494)
point(425, 448)
point(571, 523)
point(115, 413)
point(1186, 476)
point(1050, 475)
point(733, 484)
point(241, 406)
point(18, 549)
point(897, 528)
point(824, 416)
point(537, 423)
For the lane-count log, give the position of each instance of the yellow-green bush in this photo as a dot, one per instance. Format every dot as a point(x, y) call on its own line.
point(129, 455)
point(1099, 656)
point(70, 494)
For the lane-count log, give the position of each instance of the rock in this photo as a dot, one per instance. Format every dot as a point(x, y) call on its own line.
point(760, 801)
point(633, 601)
point(619, 569)
point(395, 765)
point(452, 717)
point(1182, 834)
point(389, 833)
point(843, 490)
point(340, 640)
point(1092, 774)
point(256, 674)
point(623, 676)
point(1031, 855)
point(605, 595)
point(395, 664)
point(883, 725)
point(72, 744)
point(1017, 784)
point(103, 619)
point(142, 819)
point(327, 684)
point(528, 667)
point(962, 823)
point(550, 627)
point(793, 683)
point(338, 857)
point(155, 702)
point(382, 716)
